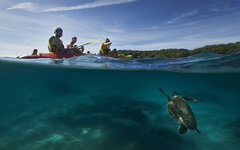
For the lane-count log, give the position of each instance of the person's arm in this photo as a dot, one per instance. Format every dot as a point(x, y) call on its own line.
point(108, 43)
point(52, 45)
point(60, 47)
point(69, 46)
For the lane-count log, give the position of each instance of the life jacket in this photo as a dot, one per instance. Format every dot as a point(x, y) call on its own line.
point(50, 46)
point(104, 49)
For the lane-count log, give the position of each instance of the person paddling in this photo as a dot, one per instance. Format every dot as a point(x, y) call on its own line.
point(105, 47)
point(71, 44)
point(55, 44)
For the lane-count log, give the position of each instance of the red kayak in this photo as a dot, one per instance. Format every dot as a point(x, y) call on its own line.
point(49, 55)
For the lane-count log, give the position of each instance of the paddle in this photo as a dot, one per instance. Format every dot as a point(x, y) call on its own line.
point(81, 46)
point(91, 42)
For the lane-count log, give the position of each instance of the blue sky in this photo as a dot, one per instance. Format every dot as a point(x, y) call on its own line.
point(130, 24)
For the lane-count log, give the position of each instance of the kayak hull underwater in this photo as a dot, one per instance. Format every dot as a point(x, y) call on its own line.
point(49, 55)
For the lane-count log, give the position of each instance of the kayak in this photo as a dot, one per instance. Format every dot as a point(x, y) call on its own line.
point(124, 56)
point(49, 55)
point(119, 56)
point(63, 55)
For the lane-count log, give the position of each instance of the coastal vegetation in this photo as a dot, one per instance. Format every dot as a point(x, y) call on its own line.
point(177, 53)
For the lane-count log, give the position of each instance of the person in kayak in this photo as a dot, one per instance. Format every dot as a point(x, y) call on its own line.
point(35, 51)
point(113, 53)
point(71, 44)
point(55, 44)
point(105, 47)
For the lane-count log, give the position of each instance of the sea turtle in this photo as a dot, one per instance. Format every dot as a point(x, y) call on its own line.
point(181, 112)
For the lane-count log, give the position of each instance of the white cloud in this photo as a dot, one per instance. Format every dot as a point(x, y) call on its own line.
point(225, 8)
point(98, 3)
point(182, 16)
point(28, 6)
point(13, 19)
point(214, 9)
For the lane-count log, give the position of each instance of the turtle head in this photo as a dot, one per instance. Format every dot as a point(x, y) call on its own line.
point(174, 93)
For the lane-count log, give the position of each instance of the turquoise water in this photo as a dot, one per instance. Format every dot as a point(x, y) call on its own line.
point(98, 103)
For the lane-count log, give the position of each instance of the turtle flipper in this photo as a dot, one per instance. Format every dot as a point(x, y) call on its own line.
point(161, 90)
point(182, 129)
point(197, 130)
point(190, 98)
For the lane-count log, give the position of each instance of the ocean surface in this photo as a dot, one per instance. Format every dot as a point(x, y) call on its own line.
point(101, 103)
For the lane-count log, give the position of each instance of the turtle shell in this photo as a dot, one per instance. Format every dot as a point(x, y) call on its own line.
point(181, 112)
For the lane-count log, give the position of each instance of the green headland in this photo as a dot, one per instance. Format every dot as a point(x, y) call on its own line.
point(177, 53)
